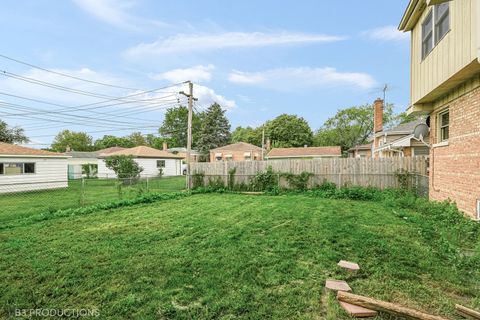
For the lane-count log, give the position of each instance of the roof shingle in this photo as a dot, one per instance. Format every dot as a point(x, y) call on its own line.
point(143, 152)
point(239, 146)
point(14, 150)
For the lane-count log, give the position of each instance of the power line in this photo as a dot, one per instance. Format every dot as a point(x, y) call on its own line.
point(70, 76)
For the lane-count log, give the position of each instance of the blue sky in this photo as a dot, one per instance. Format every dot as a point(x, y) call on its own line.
point(258, 59)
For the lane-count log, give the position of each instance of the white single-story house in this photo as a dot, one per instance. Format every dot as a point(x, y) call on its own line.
point(150, 159)
point(79, 159)
point(28, 169)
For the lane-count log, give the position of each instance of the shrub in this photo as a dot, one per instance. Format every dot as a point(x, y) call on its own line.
point(264, 181)
point(231, 178)
point(198, 179)
point(298, 181)
point(216, 183)
point(124, 166)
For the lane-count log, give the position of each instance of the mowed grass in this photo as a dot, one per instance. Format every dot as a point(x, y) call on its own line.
point(19, 205)
point(227, 256)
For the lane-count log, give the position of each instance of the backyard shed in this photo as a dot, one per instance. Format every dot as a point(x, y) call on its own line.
point(27, 169)
point(150, 159)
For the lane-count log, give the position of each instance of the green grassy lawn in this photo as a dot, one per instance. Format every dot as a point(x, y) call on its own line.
point(19, 205)
point(227, 256)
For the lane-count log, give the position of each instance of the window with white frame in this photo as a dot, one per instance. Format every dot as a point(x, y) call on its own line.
point(434, 27)
point(443, 125)
point(16, 168)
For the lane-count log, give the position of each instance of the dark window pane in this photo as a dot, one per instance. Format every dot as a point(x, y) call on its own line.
point(29, 168)
point(445, 119)
point(1, 168)
point(160, 163)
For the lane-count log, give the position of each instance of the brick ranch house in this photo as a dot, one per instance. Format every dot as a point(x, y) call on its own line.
point(445, 84)
point(304, 153)
point(240, 151)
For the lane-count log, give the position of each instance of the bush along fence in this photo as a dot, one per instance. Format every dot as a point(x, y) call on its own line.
point(404, 173)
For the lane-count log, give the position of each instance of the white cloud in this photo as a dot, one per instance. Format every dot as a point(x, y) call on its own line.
point(196, 74)
point(206, 96)
point(386, 33)
point(245, 78)
point(116, 13)
point(205, 42)
point(291, 79)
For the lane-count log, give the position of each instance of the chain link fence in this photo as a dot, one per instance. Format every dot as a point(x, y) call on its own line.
point(24, 199)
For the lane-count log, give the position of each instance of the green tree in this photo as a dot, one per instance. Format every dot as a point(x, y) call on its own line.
point(108, 141)
point(154, 141)
point(137, 139)
point(174, 126)
point(287, 131)
point(12, 134)
point(215, 130)
point(124, 166)
point(78, 141)
point(248, 134)
point(351, 126)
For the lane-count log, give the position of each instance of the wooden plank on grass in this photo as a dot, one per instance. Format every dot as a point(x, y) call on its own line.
point(464, 311)
point(350, 266)
point(384, 306)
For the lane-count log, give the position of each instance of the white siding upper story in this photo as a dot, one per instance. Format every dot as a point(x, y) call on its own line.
point(173, 167)
point(454, 57)
point(50, 173)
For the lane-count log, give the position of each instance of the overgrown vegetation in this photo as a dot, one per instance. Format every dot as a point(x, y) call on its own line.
point(243, 257)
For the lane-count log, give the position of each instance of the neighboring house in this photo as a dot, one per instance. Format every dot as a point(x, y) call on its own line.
point(398, 141)
point(182, 152)
point(150, 159)
point(79, 160)
point(361, 151)
point(445, 84)
point(240, 151)
point(304, 153)
point(27, 169)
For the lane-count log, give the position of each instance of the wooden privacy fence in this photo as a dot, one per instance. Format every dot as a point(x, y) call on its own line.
point(375, 172)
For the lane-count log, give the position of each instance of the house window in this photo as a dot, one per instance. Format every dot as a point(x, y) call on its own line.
point(434, 27)
point(442, 20)
point(160, 163)
point(10, 169)
point(443, 125)
point(427, 35)
point(29, 167)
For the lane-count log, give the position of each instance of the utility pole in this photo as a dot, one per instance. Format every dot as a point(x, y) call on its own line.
point(263, 143)
point(190, 97)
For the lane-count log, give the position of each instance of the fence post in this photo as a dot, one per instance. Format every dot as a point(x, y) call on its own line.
point(147, 185)
point(82, 193)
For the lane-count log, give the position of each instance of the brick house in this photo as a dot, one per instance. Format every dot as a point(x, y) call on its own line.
point(304, 153)
point(398, 141)
point(240, 151)
point(445, 84)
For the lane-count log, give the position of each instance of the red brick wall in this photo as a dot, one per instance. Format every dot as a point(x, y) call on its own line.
point(455, 169)
point(378, 115)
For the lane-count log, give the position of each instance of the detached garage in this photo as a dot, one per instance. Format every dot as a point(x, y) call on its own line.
point(27, 169)
point(150, 159)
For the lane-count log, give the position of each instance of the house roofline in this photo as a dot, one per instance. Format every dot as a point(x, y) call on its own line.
point(33, 156)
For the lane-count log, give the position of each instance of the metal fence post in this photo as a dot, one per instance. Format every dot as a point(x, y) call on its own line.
point(82, 193)
point(147, 184)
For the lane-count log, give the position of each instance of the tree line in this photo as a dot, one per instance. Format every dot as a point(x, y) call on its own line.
point(211, 129)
